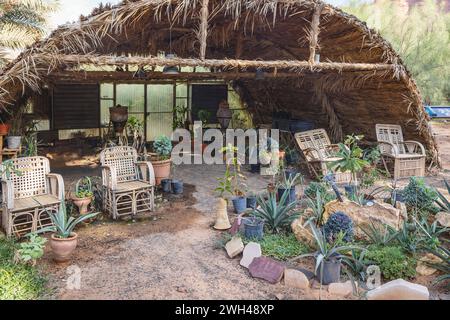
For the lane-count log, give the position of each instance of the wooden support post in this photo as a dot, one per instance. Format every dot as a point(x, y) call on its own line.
point(204, 13)
point(314, 33)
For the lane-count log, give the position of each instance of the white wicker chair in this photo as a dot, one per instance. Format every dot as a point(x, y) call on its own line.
point(30, 195)
point(318, 151)
point(128, 184)
point(407, 157)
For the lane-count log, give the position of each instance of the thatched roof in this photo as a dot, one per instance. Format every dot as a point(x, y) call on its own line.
point(360, 81)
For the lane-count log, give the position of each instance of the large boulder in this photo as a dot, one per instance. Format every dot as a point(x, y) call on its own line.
point(362, 216)
point(399, 290)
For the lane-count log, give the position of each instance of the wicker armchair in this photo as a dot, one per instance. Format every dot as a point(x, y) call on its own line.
point(29, 195)
point(318, 151)
point(128, 184)
point(401, 158)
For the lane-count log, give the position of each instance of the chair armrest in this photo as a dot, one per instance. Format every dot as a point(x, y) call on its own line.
point(415, 145)
point(310, 154)
point(109, 177)
point(147, 172)
point(393, 150)
point(56, 184)
point(8, 193)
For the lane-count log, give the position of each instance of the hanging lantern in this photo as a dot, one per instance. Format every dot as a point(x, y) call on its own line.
point(224, 114)
point(140, 73)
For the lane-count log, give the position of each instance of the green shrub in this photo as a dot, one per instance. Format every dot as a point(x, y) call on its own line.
point(393, 262)
point(17, 281)
point(313, 187)
point(419, 197)
point(282, 246)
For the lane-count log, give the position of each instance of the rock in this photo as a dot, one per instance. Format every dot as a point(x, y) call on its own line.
point(403, 210)
point(443, 218)
point(341, 289)
point(302, 232)
point(252, 250)
point(234, 247)
point(423, 268)
point(267, 269)
point(379, 213)
point(235, 226)
point(296, 279)
point(399, 290)
point(309, 274)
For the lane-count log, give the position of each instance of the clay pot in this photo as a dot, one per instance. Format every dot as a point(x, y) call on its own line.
point(162, 169)
point(119, 118)
point(82, 204)
point(4, 129)
point(62, 248)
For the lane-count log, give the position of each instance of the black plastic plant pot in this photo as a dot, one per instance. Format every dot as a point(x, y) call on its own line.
point(177, 186)
point(166, 185)
point(251, 202)
point(255, 168)
point(253, 228)
point(290, 198)
point(331, 271)
point(239, 204)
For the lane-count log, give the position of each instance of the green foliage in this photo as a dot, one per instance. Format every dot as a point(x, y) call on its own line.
point(225, 183)
point(204, 116)
point(314, 186)
point(277, 215)
point(17, 281)
point(163, 147)
point(317, 205)
point(8, 168)
point(83, 188)
point(63, 225)
point(421, 37)
point(282, 246)
point(135, 125)
point(418, 197)
point(393, 262)
point(442, 201)
point(180, 114)
point(378, 234)
point(289, 182)
point(32, 249)
point(338, 223)
point(233, 180)
point(350, 157)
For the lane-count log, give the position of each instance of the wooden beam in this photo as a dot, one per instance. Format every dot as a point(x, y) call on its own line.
point(226, 64)
point(203, 29)
point(314, 32)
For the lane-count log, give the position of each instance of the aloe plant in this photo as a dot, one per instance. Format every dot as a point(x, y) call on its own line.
point(442, 201)
point(276, 215)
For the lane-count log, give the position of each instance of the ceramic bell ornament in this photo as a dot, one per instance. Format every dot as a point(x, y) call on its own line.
point(222, 222)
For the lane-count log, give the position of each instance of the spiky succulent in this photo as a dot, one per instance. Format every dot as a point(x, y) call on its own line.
point(337, 223)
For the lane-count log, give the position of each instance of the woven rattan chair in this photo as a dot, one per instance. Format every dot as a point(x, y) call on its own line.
point(128, 184)
point(30, 194)
point(318, 151)
point(401, 158)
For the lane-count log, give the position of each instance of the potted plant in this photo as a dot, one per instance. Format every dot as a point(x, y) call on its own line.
point(350, 160)
point(204, 116)
point(253, 227)
point(328, 255)
point(162, 146)
point(287, 184)
point(166, 185)
point(119, 117)
point(14, 139)
point(176, 184)
point(251, 200)
point(83, 194)
point(63, 240)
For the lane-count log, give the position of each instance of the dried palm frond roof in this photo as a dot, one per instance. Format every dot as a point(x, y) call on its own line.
point(244, 31)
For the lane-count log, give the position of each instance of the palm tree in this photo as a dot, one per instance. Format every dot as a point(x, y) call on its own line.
point(22, 22)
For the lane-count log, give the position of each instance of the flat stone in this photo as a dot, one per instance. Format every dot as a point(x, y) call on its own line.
point(234, 247)
point(341, 289)
point(423, 268)
point(252, 250)
point(267, 269)
point(443, 218)
point(399, 289)
point(296, 279)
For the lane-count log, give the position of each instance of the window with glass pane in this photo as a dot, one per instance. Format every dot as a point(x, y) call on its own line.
point(131, 96)
point(106, 101)
point(160, 110)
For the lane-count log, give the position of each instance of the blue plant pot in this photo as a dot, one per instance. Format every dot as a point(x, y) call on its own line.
point(253, 228)
point(166, 184)
point(239, 204)
point(251, 202)
point(290, 198)
point(331, 271)
point(177, 186)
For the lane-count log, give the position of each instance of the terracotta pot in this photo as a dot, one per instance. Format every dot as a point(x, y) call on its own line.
point(63, 247)
point(82, 204)
point(4, 129)
point(162, 169)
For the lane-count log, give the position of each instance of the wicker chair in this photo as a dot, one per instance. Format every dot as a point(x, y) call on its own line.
point(29, 195)
point(407, 157)
point(318, 151)
point(128, 184)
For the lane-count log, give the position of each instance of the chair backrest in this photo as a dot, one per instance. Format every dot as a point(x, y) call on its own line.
point(123, 158)
point(390, 133)
point(317, 138)
point(30, 178)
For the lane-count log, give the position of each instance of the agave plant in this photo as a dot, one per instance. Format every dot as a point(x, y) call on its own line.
point(379, 234)
point(442, 201)
point(63, 225)
point(317, 206)
point(276, 215)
